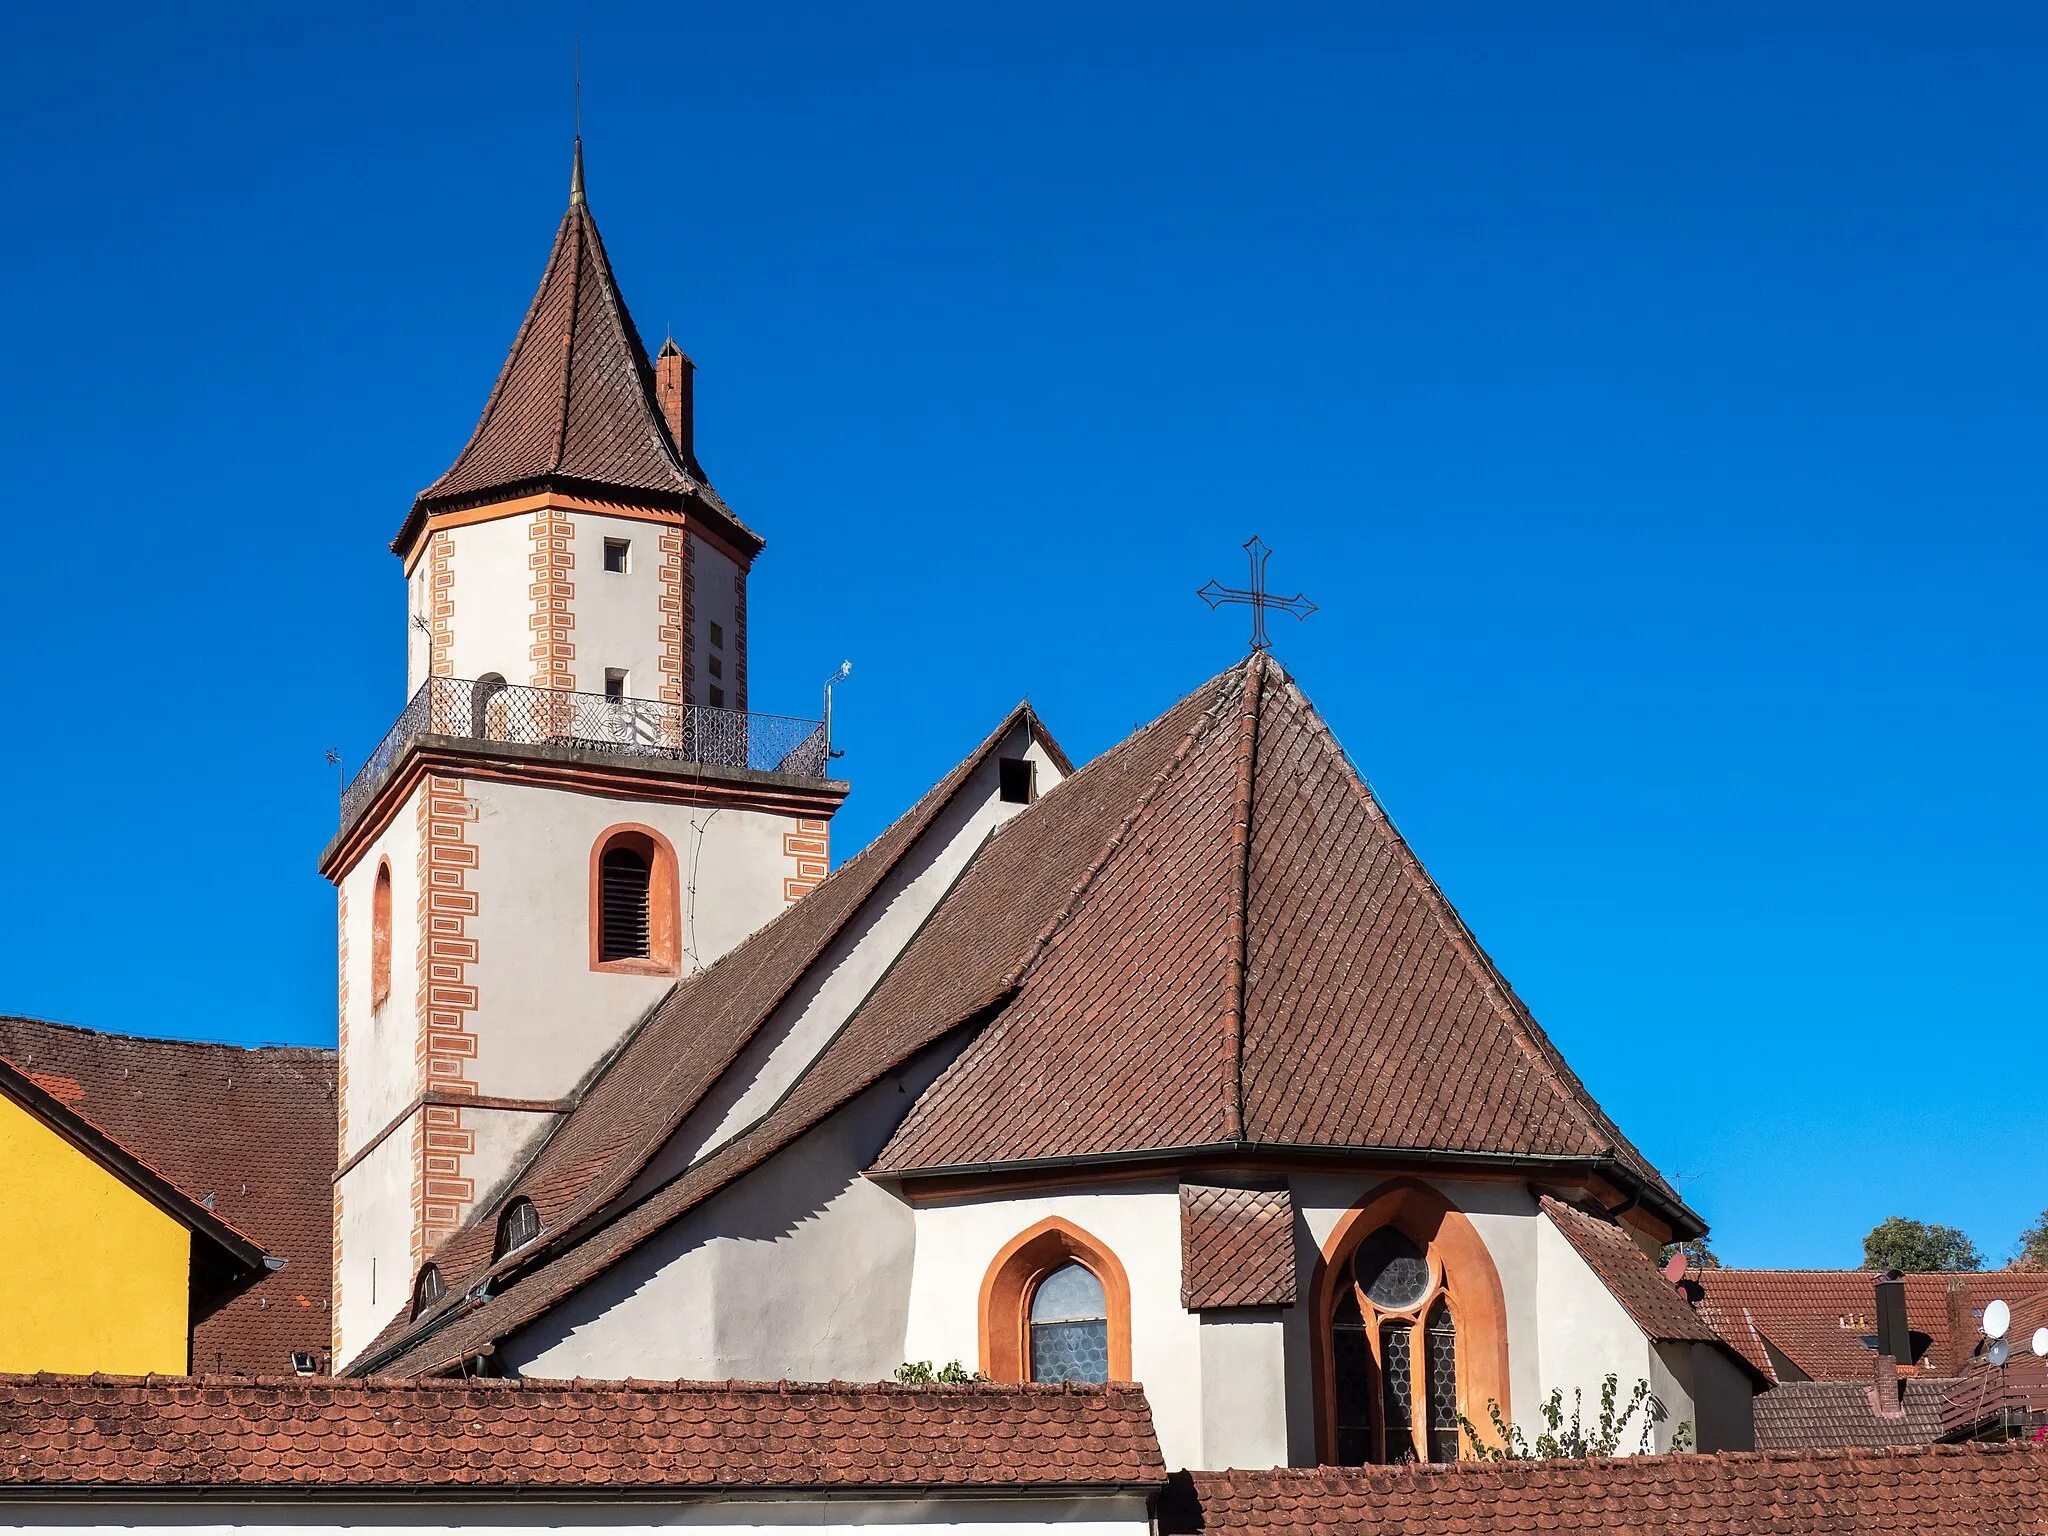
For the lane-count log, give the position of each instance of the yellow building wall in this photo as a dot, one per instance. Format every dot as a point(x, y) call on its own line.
point(92, 1276)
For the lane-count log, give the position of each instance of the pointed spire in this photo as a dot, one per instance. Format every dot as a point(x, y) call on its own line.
point(576, 176)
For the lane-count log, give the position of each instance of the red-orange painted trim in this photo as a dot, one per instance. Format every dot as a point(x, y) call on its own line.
point(380, 937)
point(1470, 1282)
point(664, 911)
point(1005, 1311)
point(556, 502)
point(607, 783)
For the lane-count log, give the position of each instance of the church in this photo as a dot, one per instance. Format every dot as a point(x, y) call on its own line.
point(1174, 1067)
point(1162, 1107)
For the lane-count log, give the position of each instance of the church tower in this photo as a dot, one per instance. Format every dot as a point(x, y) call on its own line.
point(576, 806)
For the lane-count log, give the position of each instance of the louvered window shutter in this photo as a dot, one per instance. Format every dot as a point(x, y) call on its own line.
point(623, 877)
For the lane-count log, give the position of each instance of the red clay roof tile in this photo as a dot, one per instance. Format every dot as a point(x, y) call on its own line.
point(103, 1433)
point(1980, 1489)
point(1631, 1275)
point(1236, 1247)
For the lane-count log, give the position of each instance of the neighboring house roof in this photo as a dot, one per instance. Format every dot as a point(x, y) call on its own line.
point(1264, 963)
point(1818, 1319)
point(1984, 1490)
point(1815, 1415)
point(224, 1262)
point(1095, 929)
point(574, 407)
point(252, 1130)
point(1236, 1247)
point(98, 1434)
point(1658, 1307)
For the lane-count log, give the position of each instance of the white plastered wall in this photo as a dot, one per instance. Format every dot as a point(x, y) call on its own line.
point(489, 629)
point(714, 600)
point(618, 613)
point(1070, 1515)
point(383, 1072)
point(958, 1239)
point(374, 1264)
point(1583, 1333)
point(544, 1018)
point(800, 1269)
point(821, 1003)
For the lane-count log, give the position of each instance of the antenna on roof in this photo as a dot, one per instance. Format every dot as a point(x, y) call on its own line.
point(1997, 1318)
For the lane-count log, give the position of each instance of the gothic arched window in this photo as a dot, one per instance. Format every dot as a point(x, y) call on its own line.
point(380, 937)
point(427, 1289)
point(519, 1226)
point(633, 917)
point(1393, 1349)
point(1069, 1326)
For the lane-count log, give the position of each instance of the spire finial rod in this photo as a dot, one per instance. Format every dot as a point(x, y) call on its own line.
point(576, 168)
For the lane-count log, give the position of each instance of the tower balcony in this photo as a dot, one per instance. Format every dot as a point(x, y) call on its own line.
point(489, 716)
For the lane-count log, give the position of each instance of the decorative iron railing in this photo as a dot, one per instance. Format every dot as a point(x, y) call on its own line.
point(687, 733)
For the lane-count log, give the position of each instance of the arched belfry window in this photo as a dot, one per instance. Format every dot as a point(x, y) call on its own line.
point(518, 1226)
point(633, 910)
point(380, 937)
point(1069, 1326)
point(625, 874)
point(427, 1289)
point(1412, 1330)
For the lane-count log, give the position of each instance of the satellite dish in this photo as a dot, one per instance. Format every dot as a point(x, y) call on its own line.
point(1997, 1318)
point(2000, 1350)
point(2041, 1341)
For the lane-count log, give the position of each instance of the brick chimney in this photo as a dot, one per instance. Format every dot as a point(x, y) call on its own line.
point(673, 388)
point(1887, 1397)
point(1962, 1328)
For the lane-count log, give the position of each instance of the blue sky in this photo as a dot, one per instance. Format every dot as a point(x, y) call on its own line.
point(1650, 397)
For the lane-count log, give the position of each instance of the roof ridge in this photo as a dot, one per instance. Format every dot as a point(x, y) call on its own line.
point(1237, 934)
point(177, 1040)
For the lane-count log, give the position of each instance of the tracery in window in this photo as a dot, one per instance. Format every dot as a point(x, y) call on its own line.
point(1070, 1326)
point(1394, 1370)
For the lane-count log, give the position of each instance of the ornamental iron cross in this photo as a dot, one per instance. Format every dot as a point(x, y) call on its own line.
point(1256, 595)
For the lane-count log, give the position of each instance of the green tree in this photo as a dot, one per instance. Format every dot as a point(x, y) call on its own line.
point(919, 1373)
point(2032, 1252)
point(1697, 1254)
point(1919, 1248)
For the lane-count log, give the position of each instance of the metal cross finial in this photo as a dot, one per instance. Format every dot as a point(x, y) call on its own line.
point(1256, 595)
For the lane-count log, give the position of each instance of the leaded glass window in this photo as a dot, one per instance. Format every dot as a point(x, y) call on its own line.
point(1397, 1388)
point(1069, 1327)
point(1393, 1356)
point(1352, 1348)
point(1440, 1340)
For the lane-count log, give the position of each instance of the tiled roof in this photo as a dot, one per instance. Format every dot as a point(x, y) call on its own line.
point(1813, 1415)
point(1818, 1318)
point(574, 405)
point(101, 1433)
point(1658, 1306)
point(250, 1129)
point(1265, 962)
point(1095, 930)
point(1236, 1247)
point(667, 1065)
point(1979, 1489)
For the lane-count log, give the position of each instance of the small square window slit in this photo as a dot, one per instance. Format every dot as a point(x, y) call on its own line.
point(1014, 780)
point(617, 553)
